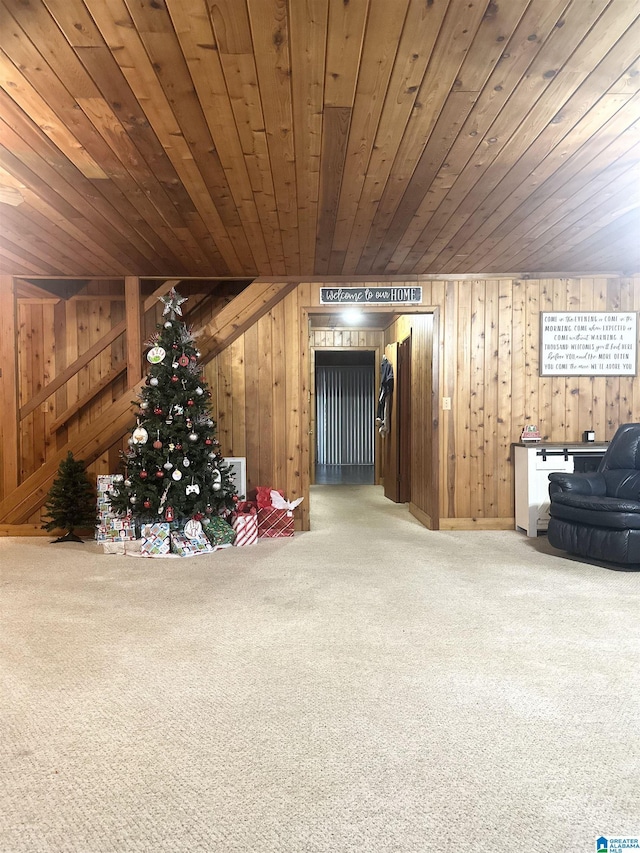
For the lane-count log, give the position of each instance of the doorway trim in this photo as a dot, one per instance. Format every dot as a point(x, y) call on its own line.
point(308, 368)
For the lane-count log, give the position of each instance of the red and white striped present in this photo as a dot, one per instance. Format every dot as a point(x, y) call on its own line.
point(274, 523)
point(245, 524)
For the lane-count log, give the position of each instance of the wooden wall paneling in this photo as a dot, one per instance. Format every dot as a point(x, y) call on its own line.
point(305, 295)
point(544, 414)
point(240, 413)
point(254, 412)
point(599, 382)
point(60, 343)
point(572, 398)
point(455, 496)
point(265, 401)
point(292, 379)
point(617, 300)
point(133, 319)
point(558, 383)
point(506, 431)
point(629, 397)
point(447, 419)
point(225, 402)
point(48, 371)
point(278, 351)
point(9, 394)
point(25, 384)
point(390, 440)
point(586, 385)
point(492, 450)
point(531, 348)
point(476, 389)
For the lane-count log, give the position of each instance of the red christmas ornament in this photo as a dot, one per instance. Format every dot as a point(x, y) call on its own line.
point(157, 444)
point(193, 358)
point(183, 361)
point(157, 410)
point(178, 447)
point(174, 378)
point(159, 474)
point(174, 346)
point(169, 513)
point(147, 503)
point(198, 516)
point(208, 441)
point(190, 403)
point(143, 474)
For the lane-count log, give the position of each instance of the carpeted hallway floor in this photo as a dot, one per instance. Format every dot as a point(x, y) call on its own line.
point(369, 686)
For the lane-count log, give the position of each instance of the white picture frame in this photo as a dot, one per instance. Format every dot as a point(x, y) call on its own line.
point(239, 472)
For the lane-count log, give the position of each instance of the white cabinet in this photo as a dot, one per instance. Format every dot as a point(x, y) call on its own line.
point(533, 464)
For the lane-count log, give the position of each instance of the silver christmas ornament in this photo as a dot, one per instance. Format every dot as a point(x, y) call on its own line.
point(127, 483)
point(186, 462)
point(216, 487)
point(199, 391)
point(177, 474)
point(133, 499)
point(193, 436)
point(167, 325)
point(153, 381)
point(167, 466)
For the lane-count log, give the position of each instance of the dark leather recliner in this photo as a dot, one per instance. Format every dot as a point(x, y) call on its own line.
point(597, 514)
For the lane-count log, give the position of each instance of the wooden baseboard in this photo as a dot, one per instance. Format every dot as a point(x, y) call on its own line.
point(422, 517)
point(36, 530)
point(477, 524)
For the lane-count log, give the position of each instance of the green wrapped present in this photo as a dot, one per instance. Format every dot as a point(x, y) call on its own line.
point(218, 531)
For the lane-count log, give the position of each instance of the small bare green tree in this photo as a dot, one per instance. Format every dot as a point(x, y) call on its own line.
point(72, 501)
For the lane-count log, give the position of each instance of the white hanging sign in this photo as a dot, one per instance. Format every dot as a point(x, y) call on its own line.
point(370, 295)
point(588, 343)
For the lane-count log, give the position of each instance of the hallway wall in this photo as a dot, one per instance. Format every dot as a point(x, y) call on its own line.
point(487, 333)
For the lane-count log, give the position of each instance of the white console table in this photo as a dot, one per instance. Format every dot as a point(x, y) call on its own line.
point(534, 461)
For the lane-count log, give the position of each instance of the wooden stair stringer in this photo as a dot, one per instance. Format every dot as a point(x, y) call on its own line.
point(97, 437)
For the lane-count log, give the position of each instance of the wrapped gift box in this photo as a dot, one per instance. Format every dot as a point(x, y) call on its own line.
point(218, 531)
point(274, 523)
point(156, 539)
point(185, 546)
point(115, 530)
point(245, 524)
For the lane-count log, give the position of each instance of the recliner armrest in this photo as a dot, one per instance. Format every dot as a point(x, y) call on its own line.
point(590, 483)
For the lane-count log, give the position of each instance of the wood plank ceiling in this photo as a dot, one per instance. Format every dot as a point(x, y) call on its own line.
point(319, 137)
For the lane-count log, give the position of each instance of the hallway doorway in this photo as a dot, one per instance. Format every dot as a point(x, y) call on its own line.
point(345, 417)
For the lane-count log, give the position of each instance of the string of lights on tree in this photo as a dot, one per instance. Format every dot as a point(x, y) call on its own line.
point(173, 469)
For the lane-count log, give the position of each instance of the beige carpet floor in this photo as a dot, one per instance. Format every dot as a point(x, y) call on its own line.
point(367, 686)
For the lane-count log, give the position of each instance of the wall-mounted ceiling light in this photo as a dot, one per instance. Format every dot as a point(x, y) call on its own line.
point(353, 316)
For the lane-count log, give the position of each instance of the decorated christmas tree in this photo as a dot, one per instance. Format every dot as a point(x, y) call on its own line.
point(173, 469)
point(71, 500)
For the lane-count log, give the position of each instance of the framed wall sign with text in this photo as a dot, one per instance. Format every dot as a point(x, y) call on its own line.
point(588, 343)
